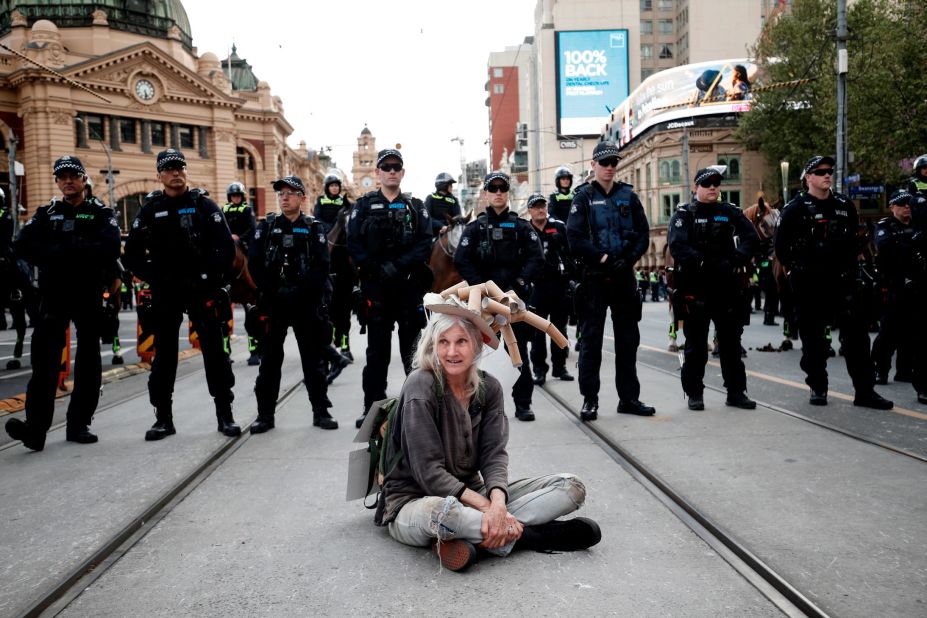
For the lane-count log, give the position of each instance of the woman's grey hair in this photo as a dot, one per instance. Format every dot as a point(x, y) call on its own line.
point(426, 354)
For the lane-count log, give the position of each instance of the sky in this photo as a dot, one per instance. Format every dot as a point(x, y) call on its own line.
point(413, 71)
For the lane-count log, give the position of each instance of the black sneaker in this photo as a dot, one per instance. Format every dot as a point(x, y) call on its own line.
point(637, 407)
point(524, 413)
point(160, 430)
point(872, 400)
point(569, 535)
point(590, 411)
point(696, 402)
point(18, 430)
point(455, 555)
point(818, 398)
point(740, 400)
point(81, 435)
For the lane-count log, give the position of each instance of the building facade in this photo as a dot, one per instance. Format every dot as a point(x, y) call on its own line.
point(159, 93)
point(364, 170)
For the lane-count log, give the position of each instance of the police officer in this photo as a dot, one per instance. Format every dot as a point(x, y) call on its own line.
point(817, 243)
point(181, 245)
point(608, 233)
point(112, 301)
point(441, 205)
point(897, 264)
point(241, 220)
point(501, 247)
point(712, 244)
point(14, 283)
point(332, 210)
point(289, 262)
point(389, 238)
point(918, 184)
point(550, 297)
point(73, 241)
point(562, 198)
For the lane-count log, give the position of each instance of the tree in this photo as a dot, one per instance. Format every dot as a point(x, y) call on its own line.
point(886, 89)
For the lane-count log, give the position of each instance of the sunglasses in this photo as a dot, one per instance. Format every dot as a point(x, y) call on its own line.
point(497, 188)
point(609, 162)
point(707, 184)
point(828, 171)
point(391, 167)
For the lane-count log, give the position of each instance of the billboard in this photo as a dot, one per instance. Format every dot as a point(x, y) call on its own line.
point(682, 93)
point(592, 78)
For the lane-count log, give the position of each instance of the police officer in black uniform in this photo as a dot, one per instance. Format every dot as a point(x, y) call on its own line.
point(712, 244)
point(550, 297)
point(608, 233)
point(897, 266)
point(73, 241)
point(289, 262)
point(503, 248)
point(562, 199)
point(333, 209)
point(14, 283)
point(441, 205)
point(389, 238)
point(817, 243)
point(181, 245)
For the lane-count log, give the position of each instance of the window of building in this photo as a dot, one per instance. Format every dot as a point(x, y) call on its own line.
point(731, 196)
point(645, 73)
point(669, 202)
point(244, 159)
point(497, 72)
point(94, 126)
point(646, 51)
point(646, 5)
point(670, 171)
point(666, 51)
point(664, 5)
point(127, 131)
point(158, 134)
point(637, 177)
point(185, 133)
point(498, 88)
point(646, 27)
point(733, 167)
point(665, 26)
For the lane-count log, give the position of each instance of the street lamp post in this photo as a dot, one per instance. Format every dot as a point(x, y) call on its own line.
point(784, 168)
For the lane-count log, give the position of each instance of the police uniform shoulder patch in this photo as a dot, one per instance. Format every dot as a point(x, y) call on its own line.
point(573, 209)
point(113, 222)
point(217, 217)
point(257, 233)
point(464, 242)
point(322, 238)
point(532, 235)
point(678, 223)
point(135, 224)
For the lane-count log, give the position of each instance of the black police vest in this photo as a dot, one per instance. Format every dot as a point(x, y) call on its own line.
point(828, 232)
point(288, 248)
point(554, 248)
point(179, 232)
point(388, 227)
point(611, 220)
point(66, 221)
point(329, 209)
point(498, 242)
point(712, 228)
point(441, 206)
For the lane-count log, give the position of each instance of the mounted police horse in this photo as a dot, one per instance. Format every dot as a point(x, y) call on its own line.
point(441, 261)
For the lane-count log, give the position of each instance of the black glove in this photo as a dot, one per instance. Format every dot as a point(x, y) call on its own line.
point(523, 289)
point(389, 271)
point(615, 264)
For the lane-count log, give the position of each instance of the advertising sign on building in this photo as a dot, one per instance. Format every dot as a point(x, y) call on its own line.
point(682, 93)
point(592, 77)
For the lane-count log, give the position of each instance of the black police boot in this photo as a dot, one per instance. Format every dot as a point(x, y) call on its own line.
point(263, 423)
point(881, 378)
point(770, 321)
point(321, 418)
point(360, 419)
point(570, 535)
point(903, 376)
point(872, 400)
point(590, 411)
point(19, 430)
point(346, 352)
point(225, 422)
point(540, 379)
point(818, 398)
point(254, 360)
point(739, 399)
point(696, 402)
point(562, 374)
point(13, 364)
point(337, 367)
point(922, 397)
point(635, 406)
point(163, 427)
point(80, 434)
point(117, 360)
point(524, 413)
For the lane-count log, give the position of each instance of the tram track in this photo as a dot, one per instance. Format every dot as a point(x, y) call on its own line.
point(751, 567)
point(89, 570)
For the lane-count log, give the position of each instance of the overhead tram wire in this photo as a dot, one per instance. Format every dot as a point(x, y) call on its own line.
point(74, 83)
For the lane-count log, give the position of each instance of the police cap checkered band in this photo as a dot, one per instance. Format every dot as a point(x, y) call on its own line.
point(388, 152)
point(170, 158)
point(68, 162)
point(817, 160)
point(603, 150)
point(900, 198)
point(536, 199)
point(706, 173)
point(294, 182)
point(497, 175)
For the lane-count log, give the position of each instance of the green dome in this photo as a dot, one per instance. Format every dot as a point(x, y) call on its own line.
point(145, 17)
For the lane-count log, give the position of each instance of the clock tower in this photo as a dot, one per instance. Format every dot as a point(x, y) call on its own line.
point(365, 158)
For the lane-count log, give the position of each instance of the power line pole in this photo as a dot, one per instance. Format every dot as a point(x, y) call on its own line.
point(842, 66)
point(13, 198)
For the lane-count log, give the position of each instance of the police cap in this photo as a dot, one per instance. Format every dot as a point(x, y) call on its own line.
point(900, 198)
point(817, 160)
point(496, 175)
point(536, 200)
point(171, 159)
point(68, 162)
point(705, 173)
point(294, 182)
point(603, 150)
point(386, 153)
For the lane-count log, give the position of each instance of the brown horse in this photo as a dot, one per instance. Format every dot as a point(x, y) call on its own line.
point(441, 261)
point(243, 290)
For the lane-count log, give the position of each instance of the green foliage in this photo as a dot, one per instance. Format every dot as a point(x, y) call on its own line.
point(886, 87)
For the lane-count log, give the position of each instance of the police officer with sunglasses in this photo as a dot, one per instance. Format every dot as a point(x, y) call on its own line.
point(818, 245)
point(712, 244)
point(608, 232)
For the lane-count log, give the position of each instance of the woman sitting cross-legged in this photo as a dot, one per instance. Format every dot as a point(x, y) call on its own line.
point(451, 487)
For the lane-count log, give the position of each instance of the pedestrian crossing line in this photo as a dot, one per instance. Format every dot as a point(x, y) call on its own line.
point(784, 382)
